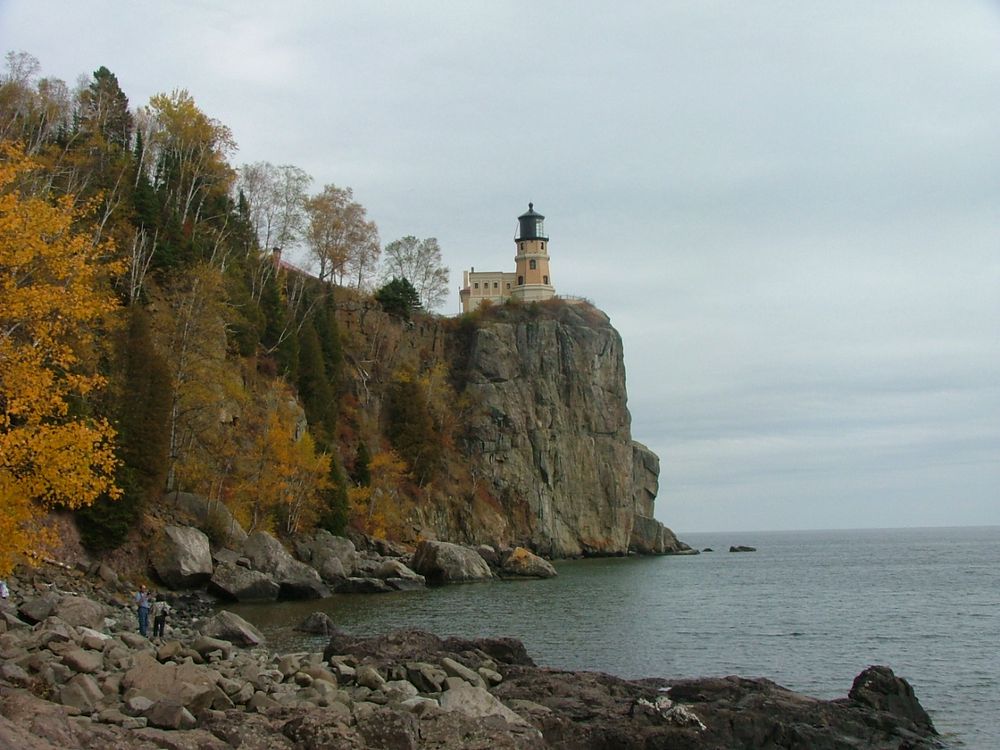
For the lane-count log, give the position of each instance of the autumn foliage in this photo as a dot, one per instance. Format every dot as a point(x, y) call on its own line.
point(53, 296)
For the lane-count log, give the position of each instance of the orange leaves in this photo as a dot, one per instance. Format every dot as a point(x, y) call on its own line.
point(53, 294)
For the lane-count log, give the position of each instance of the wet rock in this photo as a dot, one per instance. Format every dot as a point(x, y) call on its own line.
point(319, 623)
point(363, 586)
point(742, 548)
point(879, 688)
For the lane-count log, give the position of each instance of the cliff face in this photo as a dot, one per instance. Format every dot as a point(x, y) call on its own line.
point(551, 436)
point(543, 456)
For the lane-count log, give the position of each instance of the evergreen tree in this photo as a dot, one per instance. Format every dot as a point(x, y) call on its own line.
point(399, 298)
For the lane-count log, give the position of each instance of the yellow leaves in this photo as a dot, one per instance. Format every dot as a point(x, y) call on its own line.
point(53, 293)
point(281, 474)
point(375, 508)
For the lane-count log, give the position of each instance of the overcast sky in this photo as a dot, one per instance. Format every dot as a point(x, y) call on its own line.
point(790, 210)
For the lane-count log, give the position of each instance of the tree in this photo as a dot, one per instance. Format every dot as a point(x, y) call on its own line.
point(399, 298)
point(54, 294)
point(276, 197)
point(340, 237)
point(418, 261)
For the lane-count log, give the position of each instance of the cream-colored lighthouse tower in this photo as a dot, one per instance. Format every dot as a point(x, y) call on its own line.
point(532, 259)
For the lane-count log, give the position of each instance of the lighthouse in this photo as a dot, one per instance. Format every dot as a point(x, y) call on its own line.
point(531, 260)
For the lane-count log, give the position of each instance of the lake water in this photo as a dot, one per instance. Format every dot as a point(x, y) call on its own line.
point(808, 610)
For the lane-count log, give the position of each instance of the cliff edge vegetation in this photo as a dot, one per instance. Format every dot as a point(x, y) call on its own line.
point(170, 348)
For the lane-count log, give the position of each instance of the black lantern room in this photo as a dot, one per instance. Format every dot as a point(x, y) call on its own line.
point(532, 225)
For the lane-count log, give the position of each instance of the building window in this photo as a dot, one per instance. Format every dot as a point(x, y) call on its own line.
point(532, 264)
point(545, 279)
point(520, 281)
point(508, 285)
point(543, 246)
point(522, 246)
point(496, 285)
point(477, 285)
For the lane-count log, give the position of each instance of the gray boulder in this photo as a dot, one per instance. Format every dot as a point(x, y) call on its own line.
point(232, 628)
point(234, 582)
point(395, 569)
point(525, 564)
point(443, 562)
point(38, 608)
point(478, 703)
point(79, 611)
point(182, 558)
point(317, 622)
point(295, 579)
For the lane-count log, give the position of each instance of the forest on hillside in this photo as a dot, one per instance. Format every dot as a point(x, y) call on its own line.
point(153, 338)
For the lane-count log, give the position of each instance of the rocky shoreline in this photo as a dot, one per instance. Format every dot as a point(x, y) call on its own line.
point(75, 674)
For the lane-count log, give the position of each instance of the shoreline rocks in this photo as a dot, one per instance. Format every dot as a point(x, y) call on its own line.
point(210, 684)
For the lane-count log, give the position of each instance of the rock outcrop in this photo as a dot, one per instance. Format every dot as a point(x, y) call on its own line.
point(552, 436)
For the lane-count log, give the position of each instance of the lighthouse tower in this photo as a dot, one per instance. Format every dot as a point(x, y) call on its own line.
point(533, 281)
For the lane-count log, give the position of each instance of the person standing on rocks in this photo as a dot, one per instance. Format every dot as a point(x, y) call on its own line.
point(4, 591)
point(160, 610)
point(142, 599)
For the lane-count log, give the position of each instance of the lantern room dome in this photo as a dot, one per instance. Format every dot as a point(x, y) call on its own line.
point(531, 225)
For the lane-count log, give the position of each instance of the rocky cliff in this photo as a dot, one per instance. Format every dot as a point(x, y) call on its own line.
point(551, 436)
point(542, 455)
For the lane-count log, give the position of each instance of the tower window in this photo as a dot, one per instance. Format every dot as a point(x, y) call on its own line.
point(522, 246)
point(520, 281)
point(533, 264)
point(543, 246)
point(545, 279)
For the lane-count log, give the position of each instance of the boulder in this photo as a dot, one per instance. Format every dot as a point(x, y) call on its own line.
point(81, 660)
point(182, 557)
point(363, 586)
point(879, 688)
point(81, 692)
point(319, 623)
point(525, 564)
point(742, 548)
point(295, 579)
point(169, 714)
point(185, 683)
point(443, 562)
point(37, 608)
point(79, 611)
point(232, 628)
point(477, 703)
point(392, 568)
point(236, 583)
